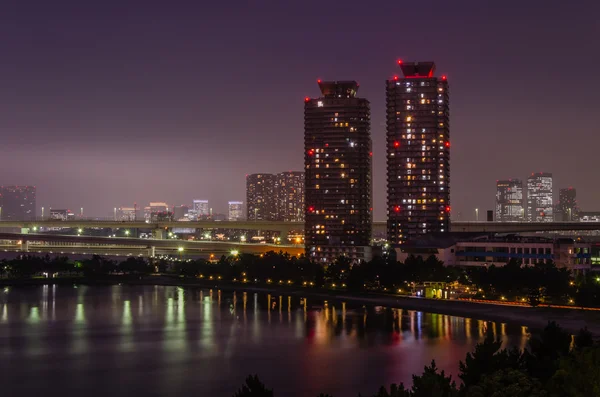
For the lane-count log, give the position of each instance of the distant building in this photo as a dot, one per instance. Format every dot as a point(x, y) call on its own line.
point(61, 215)
point(289, 187)
point(498, 250)
point(418, 153)
point(17, 203)
point(337, 159)
point(219, 217)
point(155, 208)
point(566, 208)
point(509, 201)
point(539, 198)
point(236, 210)
point(589, 216)
point(126, 214)
point(261, 197)
point(200, 208)
point(180, 212)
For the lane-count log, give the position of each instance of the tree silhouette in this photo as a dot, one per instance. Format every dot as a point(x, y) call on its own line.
point(253, 388)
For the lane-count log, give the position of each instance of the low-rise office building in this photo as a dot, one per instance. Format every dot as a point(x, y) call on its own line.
point(498, 250)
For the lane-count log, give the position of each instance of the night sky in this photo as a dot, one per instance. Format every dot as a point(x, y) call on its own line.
point(103, 103)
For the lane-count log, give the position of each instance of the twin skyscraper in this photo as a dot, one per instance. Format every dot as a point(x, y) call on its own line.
point(338, 163)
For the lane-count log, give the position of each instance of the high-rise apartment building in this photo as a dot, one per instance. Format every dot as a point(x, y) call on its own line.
point(418, 153)
point(289, 187)
point(200, 208)
point(566, 208)
point(539, 197)
point(236, 210)
point(261, 200)
point(337, 158)
point(509, 201)
point(17, 203)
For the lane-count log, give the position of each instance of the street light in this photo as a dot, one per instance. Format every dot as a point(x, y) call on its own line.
point(243, 239)
point(477, 214)
point(127, 232)
point(235, 253)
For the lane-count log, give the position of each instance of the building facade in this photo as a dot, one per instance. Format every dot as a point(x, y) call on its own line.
point(539, 198)
point(180, 212)
point(236, 210)
point(261, 200)
point(566, 208)
point(290, 196)
point(509, 201)
point(126, 214)
point(498, 250)
point(200, 208)
point(337, 159)
point(17, 203)
point(418, 153)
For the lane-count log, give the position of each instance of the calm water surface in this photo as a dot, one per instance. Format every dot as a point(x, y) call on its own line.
point(171, 341)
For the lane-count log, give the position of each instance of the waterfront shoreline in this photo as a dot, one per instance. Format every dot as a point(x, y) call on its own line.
point(534, 318)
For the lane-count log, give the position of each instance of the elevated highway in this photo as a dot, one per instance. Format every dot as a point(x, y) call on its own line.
point(285, 228)
point(521, 227)
point(149, 247)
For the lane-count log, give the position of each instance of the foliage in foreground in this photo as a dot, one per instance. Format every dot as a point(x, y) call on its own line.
point(551, 366)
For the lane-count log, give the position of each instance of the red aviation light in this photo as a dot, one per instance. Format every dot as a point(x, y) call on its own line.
point(311, 209)
point(399, 61)
point(397, 208)
point(395, 77)
point(371, 154)
point(444, 77)
point(319, 81)
point(396, 144)
point(311, 152)
point(306, 99)
point(447, 144)
point(447, 208)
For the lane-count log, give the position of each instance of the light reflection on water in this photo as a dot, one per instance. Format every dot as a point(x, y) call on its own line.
point(175, 341)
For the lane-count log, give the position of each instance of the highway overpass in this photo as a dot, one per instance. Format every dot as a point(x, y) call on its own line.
point(285, 228)
point(521, 227)
point(146, 247)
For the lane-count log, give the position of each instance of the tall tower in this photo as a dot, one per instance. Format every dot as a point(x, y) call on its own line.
point(418, 153)
point(509, 201)
point(17, 203)
point(260, 197)
point(567, 209)
point(337, 159)
point(539, 197)
point(289, 188)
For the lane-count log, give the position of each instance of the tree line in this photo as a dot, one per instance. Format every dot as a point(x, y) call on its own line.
point(542, 282)
point(552, 365)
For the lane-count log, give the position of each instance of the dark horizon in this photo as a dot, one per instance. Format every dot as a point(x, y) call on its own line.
point(109, 104)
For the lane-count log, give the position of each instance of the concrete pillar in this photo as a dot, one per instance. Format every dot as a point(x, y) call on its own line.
point(158, 234)
point(283, 233)
point(151, 251)
point(25, 246)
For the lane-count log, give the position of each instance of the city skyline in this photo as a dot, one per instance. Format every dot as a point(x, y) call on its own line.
point(96, 124)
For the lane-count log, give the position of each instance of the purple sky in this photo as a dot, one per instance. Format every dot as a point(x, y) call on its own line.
point(103, 103)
